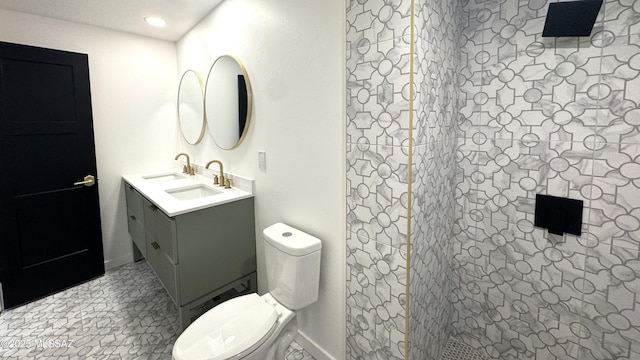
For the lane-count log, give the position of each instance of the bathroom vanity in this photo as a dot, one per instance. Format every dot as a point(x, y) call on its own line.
point(199, 239)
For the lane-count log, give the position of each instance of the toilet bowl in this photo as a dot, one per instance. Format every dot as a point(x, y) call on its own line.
point(246, 327)
point(253, 327)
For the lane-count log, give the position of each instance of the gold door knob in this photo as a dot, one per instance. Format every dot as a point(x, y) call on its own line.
point(89, 180)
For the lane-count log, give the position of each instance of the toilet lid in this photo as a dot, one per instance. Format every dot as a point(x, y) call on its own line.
point(227, 330)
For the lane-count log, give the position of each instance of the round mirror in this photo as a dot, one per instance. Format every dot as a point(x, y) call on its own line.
point(228, 102)
point(191, 107)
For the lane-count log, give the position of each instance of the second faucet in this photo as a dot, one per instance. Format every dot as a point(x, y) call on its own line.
point(215, 179)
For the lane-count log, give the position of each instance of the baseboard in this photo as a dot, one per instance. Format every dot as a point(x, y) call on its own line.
point(312, 348)
point(114, 263)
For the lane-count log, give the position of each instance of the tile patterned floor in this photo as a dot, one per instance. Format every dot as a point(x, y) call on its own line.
point(125, 314)
point(457, 350)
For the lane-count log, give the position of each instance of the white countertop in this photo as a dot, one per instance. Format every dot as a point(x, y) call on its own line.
point(156, 191)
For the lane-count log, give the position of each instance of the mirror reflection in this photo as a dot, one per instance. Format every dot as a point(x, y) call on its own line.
point(228, 102)
point(191, 107)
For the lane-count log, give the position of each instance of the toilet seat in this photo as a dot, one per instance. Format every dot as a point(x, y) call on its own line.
point(236, 326)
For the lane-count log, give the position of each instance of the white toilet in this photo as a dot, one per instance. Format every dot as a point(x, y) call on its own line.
point(260, 327)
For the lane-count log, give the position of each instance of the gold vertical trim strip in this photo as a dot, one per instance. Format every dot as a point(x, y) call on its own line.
point(409, 182)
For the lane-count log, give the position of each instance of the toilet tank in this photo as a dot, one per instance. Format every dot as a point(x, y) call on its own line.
point(292, 260)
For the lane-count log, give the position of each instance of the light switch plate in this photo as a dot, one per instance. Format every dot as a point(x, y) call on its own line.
point(262, 160)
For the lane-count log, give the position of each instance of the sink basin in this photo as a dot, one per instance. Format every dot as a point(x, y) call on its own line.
point(163, 177)
point(176, 193)
point(193, 192)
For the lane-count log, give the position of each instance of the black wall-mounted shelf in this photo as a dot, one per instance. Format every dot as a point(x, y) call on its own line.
point(571, 18)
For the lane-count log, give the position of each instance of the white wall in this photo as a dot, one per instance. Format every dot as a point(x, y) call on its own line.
point(133, 89)
point(294, 54)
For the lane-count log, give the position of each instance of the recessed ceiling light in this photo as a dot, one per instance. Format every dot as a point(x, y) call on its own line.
point(155, 21)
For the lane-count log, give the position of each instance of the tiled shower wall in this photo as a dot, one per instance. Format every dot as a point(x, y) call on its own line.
point(436, 105)
point(378, 75)
point(391, 177)
point(558, 116)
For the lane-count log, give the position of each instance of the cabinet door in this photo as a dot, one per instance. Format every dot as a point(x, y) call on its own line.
point(135, 218)
point(217, 247)
point(136, 230)
point(134, 200)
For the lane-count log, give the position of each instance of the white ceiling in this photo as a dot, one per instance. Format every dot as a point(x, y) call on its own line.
point(123, 15)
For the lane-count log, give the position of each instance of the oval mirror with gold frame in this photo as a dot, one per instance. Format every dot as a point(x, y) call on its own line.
point(227, 101)
point(191, 115)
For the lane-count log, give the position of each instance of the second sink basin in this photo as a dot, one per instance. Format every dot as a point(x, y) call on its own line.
point(193, 192)
point(163, 177)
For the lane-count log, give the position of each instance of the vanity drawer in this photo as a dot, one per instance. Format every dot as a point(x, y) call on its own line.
point(136, 230)
point(164, 268)
point(161, 229)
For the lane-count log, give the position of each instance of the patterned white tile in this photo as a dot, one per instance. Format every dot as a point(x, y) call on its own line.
point(124, 314)
point(376, 299)
point(536, 115)
point(552, 116)
point(377, 197)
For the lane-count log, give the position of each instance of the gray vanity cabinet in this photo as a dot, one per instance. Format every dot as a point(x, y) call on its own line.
point(199, 255)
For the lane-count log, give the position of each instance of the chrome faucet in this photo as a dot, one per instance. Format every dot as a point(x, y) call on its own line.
point(215, 179)
point(187, 169)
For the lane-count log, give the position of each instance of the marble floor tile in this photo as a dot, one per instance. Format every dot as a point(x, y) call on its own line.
point(125, 314)
point(457, 350)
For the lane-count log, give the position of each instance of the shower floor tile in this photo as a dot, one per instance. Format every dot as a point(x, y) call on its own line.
point(457, 350)
point(125, 314)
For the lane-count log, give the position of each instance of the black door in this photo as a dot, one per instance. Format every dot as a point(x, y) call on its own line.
point(50, 237)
